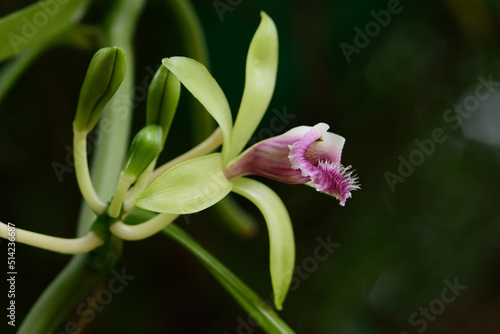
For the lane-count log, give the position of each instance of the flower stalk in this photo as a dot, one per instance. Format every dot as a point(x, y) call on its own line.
point(143, 230)
point(59, 245)
point(83, 174)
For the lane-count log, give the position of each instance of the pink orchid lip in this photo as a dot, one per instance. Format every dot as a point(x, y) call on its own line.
point(302, 155)
point(328, 176)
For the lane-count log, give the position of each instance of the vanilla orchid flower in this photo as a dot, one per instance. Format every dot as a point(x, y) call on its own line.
point(199, 183)
point(304, 154)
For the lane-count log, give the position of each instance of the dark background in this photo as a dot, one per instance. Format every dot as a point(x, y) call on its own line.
point(398, 247)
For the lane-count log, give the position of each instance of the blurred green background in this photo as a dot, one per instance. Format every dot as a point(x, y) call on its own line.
point(401, 243)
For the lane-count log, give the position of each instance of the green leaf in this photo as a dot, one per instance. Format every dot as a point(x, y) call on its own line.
point(36, 24)
point(196, 78)
point(282, 244)
point(260, 79)
point(189, 187)
point(247, 298)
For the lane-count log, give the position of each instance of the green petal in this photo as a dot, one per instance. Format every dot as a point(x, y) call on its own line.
point(260, 79)
point(189, 187)
point(282, 252)
point(196, 78)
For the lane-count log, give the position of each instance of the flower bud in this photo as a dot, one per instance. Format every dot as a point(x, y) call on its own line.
point(104, 76)
point(143, 150)
point(163, 97)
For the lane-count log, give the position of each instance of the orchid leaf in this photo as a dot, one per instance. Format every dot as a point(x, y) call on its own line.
point(196, 78)
point(36, 24)
point(260, 79)
point(282, 244)
point(189, 187)
point(248, 299)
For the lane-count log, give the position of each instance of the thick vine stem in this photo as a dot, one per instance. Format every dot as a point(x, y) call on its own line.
point(72, 284)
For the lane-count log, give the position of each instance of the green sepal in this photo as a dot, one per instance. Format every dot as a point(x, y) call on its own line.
point(189, 187)
point(196, 78)
point(260, 79)
point(281, 239)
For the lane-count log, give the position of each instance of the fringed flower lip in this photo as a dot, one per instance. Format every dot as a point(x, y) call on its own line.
point(326, 175)
point(303, 155)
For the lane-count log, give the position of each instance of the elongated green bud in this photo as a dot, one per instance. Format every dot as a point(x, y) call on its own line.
point(163, 97)
point(104, 76)
point(145, 147)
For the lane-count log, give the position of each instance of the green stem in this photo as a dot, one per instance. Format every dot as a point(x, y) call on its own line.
point(62, 294)
point(55, 244)
point(70, 286)
point(82, 173)
point(143, 230)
